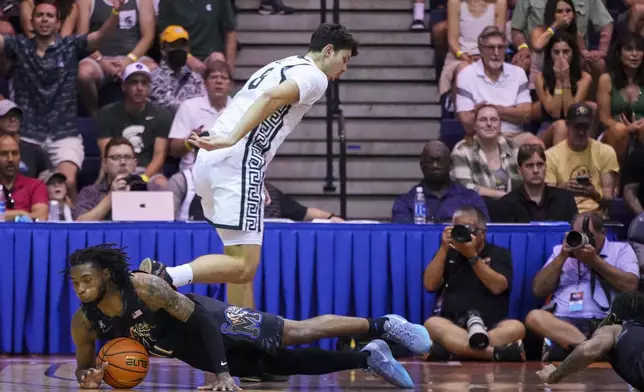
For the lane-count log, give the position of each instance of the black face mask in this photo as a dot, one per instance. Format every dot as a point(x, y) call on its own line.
point(177, 58)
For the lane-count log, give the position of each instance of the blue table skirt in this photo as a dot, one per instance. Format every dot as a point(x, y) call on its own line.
point(306, 270)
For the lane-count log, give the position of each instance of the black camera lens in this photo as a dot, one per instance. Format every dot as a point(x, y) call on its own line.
point(461, 234)
point(575, 239)
point(136, 183)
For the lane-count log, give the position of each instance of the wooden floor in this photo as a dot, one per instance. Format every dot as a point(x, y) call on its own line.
point(57, 374)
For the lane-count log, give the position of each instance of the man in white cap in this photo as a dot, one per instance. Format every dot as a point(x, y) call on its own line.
point(34, 160)
point(144, 124)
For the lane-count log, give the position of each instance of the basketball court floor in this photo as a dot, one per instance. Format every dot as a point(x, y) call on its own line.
point(42, 374)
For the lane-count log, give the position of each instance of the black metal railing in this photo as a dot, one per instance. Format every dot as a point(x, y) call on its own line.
point(333, 114)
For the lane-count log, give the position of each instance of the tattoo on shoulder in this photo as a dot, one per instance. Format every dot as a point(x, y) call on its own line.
point(158, 294)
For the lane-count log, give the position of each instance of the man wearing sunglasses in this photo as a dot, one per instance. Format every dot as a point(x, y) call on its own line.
point(23, 195)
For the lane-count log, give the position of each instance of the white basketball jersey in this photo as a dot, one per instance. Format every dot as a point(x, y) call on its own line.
point(266, 138)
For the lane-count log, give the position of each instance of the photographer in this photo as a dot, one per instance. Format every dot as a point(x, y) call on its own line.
point(473, 280)
point(94, 202)
point(582, 283)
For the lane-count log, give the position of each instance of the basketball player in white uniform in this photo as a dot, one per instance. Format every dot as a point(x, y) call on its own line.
point(231, 163)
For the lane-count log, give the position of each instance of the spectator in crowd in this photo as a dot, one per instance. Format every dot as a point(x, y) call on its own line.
point(558, 18)
point(129, 44)
point(44, 83)
point(274, 7)
point(418, 21)
point(466, 20)
point(632, 176)
point(57, 191)
point(534, 201)
point(561, 84)
point(173, 82)
point(199, 114)
point(620, 101)
point(211, 25)
point(490, 80)
point(530, 14)
point(443, 197)
point(479, 276)
point(144, 124)
point(585, 166)
point(487, 163)
point(582, 283)
point(95, 201)
point(34, 160)
point(68, 14)
point(23, 195)
point(636, 240)
point(631, 19)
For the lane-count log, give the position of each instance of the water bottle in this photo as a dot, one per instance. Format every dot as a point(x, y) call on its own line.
point(420, 209)
point(3, 205)
point(54, 211)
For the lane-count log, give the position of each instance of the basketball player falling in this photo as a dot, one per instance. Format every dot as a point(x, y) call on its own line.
point(619, 339)
point(231, 162)
point(212, 336)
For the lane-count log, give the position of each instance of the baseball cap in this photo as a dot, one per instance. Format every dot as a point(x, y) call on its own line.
point(580, 113)
point(49, 176)
point(173, 33)
point(6, 106)
point(133, 69)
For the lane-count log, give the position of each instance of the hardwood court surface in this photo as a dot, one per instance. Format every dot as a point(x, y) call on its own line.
point(19, 374)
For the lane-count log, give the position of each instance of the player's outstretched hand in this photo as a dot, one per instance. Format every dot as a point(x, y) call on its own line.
point(221, 382)
point(93, 377)
point(545, 374)
point(209, 143)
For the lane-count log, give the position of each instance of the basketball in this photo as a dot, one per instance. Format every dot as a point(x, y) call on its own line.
point(128, 363)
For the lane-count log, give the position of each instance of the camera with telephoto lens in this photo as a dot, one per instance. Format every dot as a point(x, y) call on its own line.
point(461, 234)
point(478, 338)
point(136, 183)
point(579, 239)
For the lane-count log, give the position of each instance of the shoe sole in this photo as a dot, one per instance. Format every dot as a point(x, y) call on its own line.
point(382, 362)
point(146, 266)
point(421, 344)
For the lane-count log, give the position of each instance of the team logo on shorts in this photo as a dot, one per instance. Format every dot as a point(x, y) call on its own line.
point(242, 322)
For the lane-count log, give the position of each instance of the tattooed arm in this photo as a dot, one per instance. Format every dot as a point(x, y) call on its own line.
point(84, 339)
point(157, 294)
point(583, 355)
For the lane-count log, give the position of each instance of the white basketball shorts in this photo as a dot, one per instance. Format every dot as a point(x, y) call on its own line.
point(232, 194)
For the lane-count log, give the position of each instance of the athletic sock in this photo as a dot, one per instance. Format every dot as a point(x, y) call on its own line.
point(376, 326)
point(181, 275)
point(313, 361)
point(419, 11)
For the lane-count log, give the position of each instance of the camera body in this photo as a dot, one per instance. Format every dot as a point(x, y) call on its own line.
point(477, 332)
point(461, 234)
point(136, 183)
point(579, 239)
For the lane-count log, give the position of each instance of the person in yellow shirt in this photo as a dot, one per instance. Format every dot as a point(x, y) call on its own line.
point(581, 164)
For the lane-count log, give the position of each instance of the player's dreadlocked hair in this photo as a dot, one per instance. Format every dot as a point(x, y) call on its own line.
point(629, 307)
point(105, 256)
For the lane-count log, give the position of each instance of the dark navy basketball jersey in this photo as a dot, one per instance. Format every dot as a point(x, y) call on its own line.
point(627, 357)
point(157, 331)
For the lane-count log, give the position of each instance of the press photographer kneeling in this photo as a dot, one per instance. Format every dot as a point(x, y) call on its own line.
point(472, 281)
point(582, 283)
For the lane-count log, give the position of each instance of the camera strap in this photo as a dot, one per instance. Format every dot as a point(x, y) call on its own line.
point(594, 277)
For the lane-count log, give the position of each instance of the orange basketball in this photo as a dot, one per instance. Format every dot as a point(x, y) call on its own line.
point(128, 363)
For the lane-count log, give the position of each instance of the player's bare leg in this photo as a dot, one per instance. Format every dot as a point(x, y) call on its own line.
point(390, 327)
point(236, 267)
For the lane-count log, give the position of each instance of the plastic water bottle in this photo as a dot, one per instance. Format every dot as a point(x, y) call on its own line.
point(3, 205)
point(54, 211)
point(420, 209)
